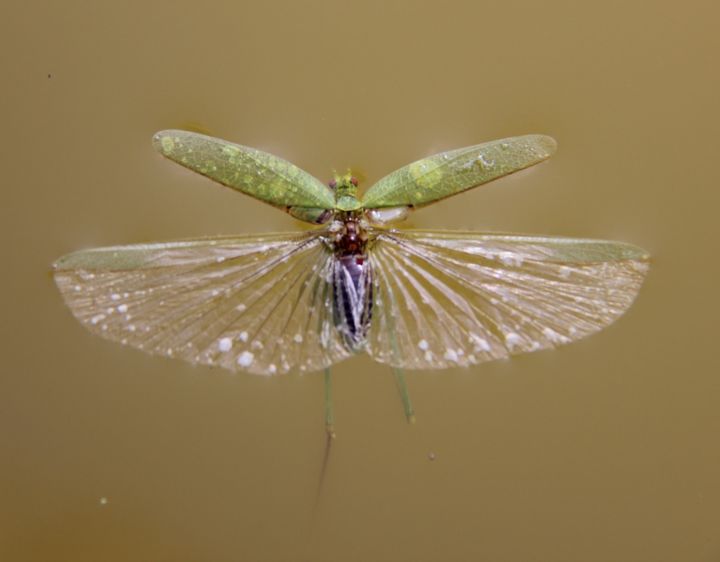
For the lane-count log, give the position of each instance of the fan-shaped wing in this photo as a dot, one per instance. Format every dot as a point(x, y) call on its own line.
point(444, 299)
point(448, 173)
point(256, 303)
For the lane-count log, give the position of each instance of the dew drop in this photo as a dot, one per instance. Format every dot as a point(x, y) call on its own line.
point(245, 359)
point(512, 340)
point(95, 319)
point(485, 164)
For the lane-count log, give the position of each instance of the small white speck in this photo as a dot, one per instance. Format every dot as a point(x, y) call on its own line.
point(431, 456)
point(564, 272)
point(256, 345)
point(243, 336)
point(115, 297)
point(103, 501)
point(512, 340)
point(215, 293)
point(245, 359)
point(241, 308)
point(109, 310)
point(95, 319)
point(553, 336)
point(572, 331)
point(481, 344)
point(451, 355)
point(298, 338)
point(131, 327)
point(508, 258)
point(220, 259)
point(428, 355)
point(225, 344)
point(78, 288)
point(122, 309)
point(272, 369)
point(485, 163)
point(423, 344)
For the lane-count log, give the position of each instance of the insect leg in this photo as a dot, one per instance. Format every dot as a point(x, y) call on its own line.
point(402, 387)
point(397, 372)
point(329, 414)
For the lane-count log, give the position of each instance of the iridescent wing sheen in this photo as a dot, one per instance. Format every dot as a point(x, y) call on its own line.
point(449, 173)
point(251, 171)
point(256, 303)
point(444, 299)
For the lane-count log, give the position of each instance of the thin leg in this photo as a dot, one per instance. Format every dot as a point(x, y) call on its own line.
point(329, 437)
point(402, 387)
point(397, 372)
point(329, 414)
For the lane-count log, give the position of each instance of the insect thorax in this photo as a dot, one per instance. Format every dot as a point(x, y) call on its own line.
point(349, 234)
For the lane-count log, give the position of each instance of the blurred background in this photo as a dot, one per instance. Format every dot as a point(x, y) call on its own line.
point(605, 450)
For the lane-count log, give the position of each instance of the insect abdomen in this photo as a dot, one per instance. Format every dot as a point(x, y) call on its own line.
point(352, 298)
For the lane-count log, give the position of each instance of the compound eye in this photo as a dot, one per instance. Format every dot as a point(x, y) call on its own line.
point(354, 181)
point(332, 184)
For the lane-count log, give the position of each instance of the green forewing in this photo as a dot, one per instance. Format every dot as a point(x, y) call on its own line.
point(448, 173)
point(254, 172)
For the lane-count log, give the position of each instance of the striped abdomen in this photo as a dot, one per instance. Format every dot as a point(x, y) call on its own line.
point(352, 298)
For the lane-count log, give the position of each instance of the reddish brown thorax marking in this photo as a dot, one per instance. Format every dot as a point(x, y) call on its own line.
point(351, 239)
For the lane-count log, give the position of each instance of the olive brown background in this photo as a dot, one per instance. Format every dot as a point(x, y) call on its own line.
point(605, 450)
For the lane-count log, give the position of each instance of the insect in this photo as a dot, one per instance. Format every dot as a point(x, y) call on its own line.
point(412, 299)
